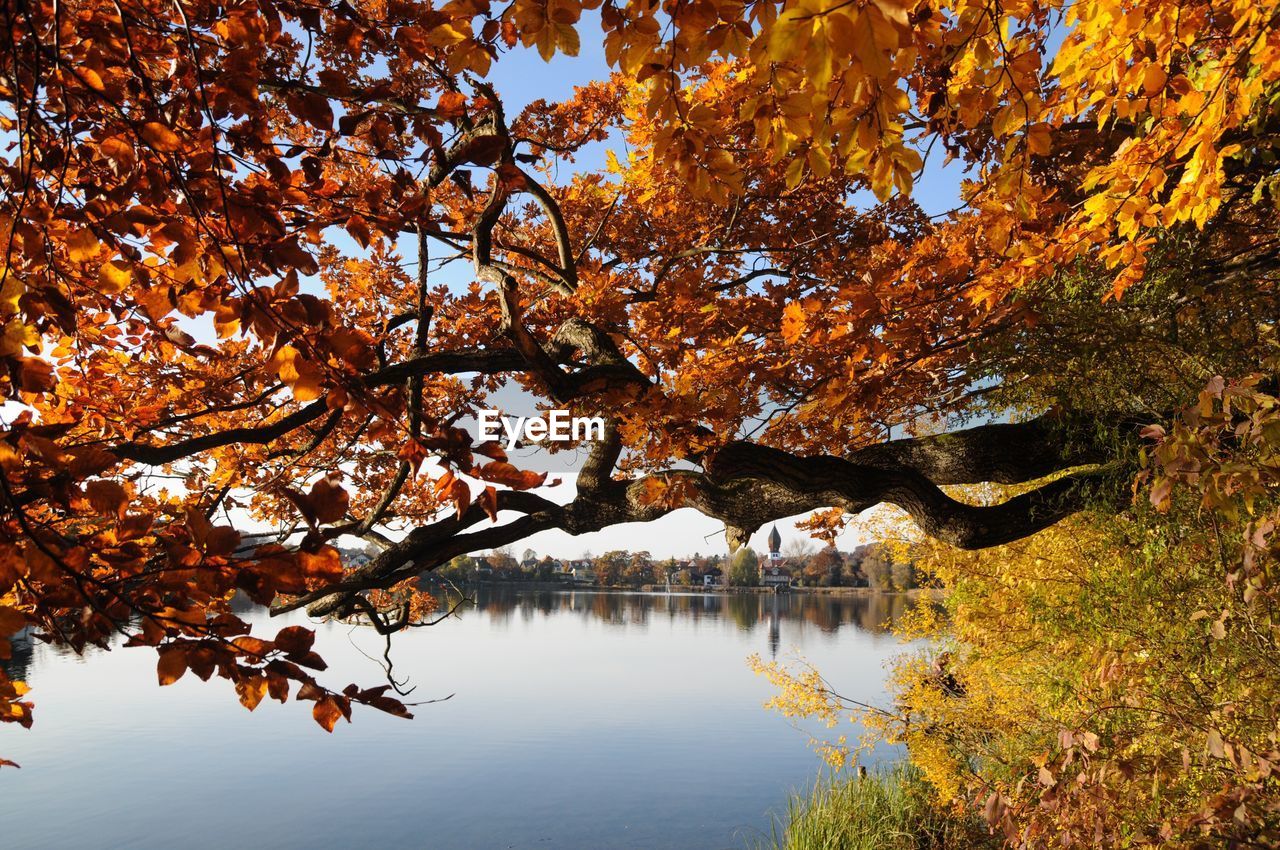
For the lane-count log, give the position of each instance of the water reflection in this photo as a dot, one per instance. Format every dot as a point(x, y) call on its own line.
point(611, 721)
point(780, 613)
point(18, 665)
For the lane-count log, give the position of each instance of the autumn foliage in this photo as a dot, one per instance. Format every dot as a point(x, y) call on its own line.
point(218, 313)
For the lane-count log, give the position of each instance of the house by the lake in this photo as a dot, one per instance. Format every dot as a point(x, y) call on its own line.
point(773, 572)
point(583, 573)
point(709, 577)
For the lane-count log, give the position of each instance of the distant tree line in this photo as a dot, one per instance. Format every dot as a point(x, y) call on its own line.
point(870, 565)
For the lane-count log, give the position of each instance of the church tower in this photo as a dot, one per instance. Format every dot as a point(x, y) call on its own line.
point(775, 545)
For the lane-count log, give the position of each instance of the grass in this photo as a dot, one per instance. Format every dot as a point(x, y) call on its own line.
point(889, 810)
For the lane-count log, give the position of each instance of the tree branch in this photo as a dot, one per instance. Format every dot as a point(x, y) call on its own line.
point(747, 485)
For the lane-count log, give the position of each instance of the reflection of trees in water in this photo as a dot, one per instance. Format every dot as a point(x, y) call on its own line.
point(24, 661)
point(746, 611)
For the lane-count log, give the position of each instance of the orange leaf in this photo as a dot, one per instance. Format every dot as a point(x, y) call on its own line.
point(460, 495)
point(160, 137)
point(793, 321)
point(301, 375)
point(82, 245)
point(251, 691)
point(359, 230)
point(451, 104)
point(324, 565)
point(326, 713)
point(502, 472)
point(444, 482)
point(489, 501)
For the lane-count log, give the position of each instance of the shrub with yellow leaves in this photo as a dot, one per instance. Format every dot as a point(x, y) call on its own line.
point(1103, 683)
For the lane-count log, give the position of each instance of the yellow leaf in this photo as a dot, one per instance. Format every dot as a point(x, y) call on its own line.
point(795, 172)
point(114, 276)
point(11, 290)
point(546, 41)
point(567, 36)
point(1038, 139)
point(790, 35)
point(869, 53)
point(819, 162)
point(15, 336)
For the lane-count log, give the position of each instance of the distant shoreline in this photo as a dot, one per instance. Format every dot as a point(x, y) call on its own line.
point(913, 593)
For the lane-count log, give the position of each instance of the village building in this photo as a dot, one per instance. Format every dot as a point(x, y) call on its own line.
point(484, 569)
point(773, 572)
point(583, 573)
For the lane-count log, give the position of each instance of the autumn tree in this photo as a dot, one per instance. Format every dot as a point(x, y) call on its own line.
point(640, 569)
point(218, 313)
point(877, 566)
point(823, 567)
point(744, 568)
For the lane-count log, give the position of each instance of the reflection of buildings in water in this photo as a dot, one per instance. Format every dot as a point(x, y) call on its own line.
point(775, 629)
point(18, 665)
point(873, 612)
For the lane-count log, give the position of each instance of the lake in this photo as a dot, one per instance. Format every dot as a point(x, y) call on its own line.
point(577, 720)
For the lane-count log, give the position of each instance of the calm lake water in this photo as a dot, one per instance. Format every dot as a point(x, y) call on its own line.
point(578, 720)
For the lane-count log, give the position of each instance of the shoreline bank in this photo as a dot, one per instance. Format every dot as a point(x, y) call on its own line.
point(914, 593)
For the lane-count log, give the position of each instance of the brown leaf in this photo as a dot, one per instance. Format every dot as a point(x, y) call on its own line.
point(89, 460)
point(222, 540)
point(11, 620)
point(172, 664)
point(295, 640)
point(359, 230)
point(108, 498)
point(310, 690)
point(36, 375)
point(491, 449)
point(328, 500)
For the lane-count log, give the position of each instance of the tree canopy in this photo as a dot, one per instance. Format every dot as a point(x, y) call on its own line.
point(217, 302)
